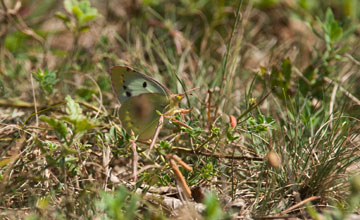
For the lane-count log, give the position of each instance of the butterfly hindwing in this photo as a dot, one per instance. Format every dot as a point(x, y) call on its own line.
point(128, 83)
point(138, 114)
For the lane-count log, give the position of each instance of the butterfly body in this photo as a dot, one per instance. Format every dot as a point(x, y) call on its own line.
point(140, 97)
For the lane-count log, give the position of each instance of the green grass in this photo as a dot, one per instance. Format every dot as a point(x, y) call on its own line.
point(286, 70)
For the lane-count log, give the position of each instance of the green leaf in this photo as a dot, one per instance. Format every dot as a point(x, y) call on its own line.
point(85, 6)
point(88, 17)
point(58, 125)
point(286, 70)
point(16, 41)
point(230, 136)
point(89, 12)
point(62, 17)
point(77, 12)
point(331, 27)
point(213, 209)
point(83, 124)
point(329, 18)
point(69, 4)
point(51, 145)
point(348, 32)
point(76, 118)
point(151, 2)
point(132, 206)
point(5, 161)
point(84, 12)
point(73, 109)
point(119, 205)
point(84, 28)
point(67, 151)
point(335, 32)
point(46, 78)
point(2, 88)
point(85, 93)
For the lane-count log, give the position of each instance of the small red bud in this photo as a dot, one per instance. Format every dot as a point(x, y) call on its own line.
point(233, 121)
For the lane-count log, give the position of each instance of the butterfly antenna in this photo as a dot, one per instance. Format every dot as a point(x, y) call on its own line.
point(188, 91)
point(180, 96)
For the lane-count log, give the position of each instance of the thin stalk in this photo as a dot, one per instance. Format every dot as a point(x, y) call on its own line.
point(224, 75)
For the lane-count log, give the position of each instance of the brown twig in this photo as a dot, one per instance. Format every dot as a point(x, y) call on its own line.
point(282, 215)
point(179, 177)
point(342, 89)
point(217, 155)
point(312, 198)
point(160, 124)
point(332, 103)
point(276, 217)
point(135, 159)
point(350, 57)
point(209, 108)
point(21, 26)
point(101, 106)
point(177, 122)
point(143, 169)
point(34, 99)
point(181, 162)
point(335, 84)
point(16, 104)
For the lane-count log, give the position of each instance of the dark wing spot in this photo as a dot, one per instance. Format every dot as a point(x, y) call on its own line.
point(125, 87)
point(128, 94)
point(144, 84)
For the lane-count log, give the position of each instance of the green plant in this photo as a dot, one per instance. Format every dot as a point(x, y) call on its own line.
point(119, 205)
point(68, 136)
point(80, 13)
point(317, 72)
point(79, 123)
point(213, 210)
point(46, 79)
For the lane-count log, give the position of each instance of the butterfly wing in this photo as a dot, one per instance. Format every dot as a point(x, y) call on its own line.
point(140, 97)
point(129, 83)
point(138, 114)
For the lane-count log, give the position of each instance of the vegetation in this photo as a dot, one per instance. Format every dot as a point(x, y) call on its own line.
point(273, 127)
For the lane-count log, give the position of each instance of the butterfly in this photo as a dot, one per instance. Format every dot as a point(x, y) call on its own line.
point(140, 97)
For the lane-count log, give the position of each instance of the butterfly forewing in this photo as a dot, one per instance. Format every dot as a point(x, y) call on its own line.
point(128, 83)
